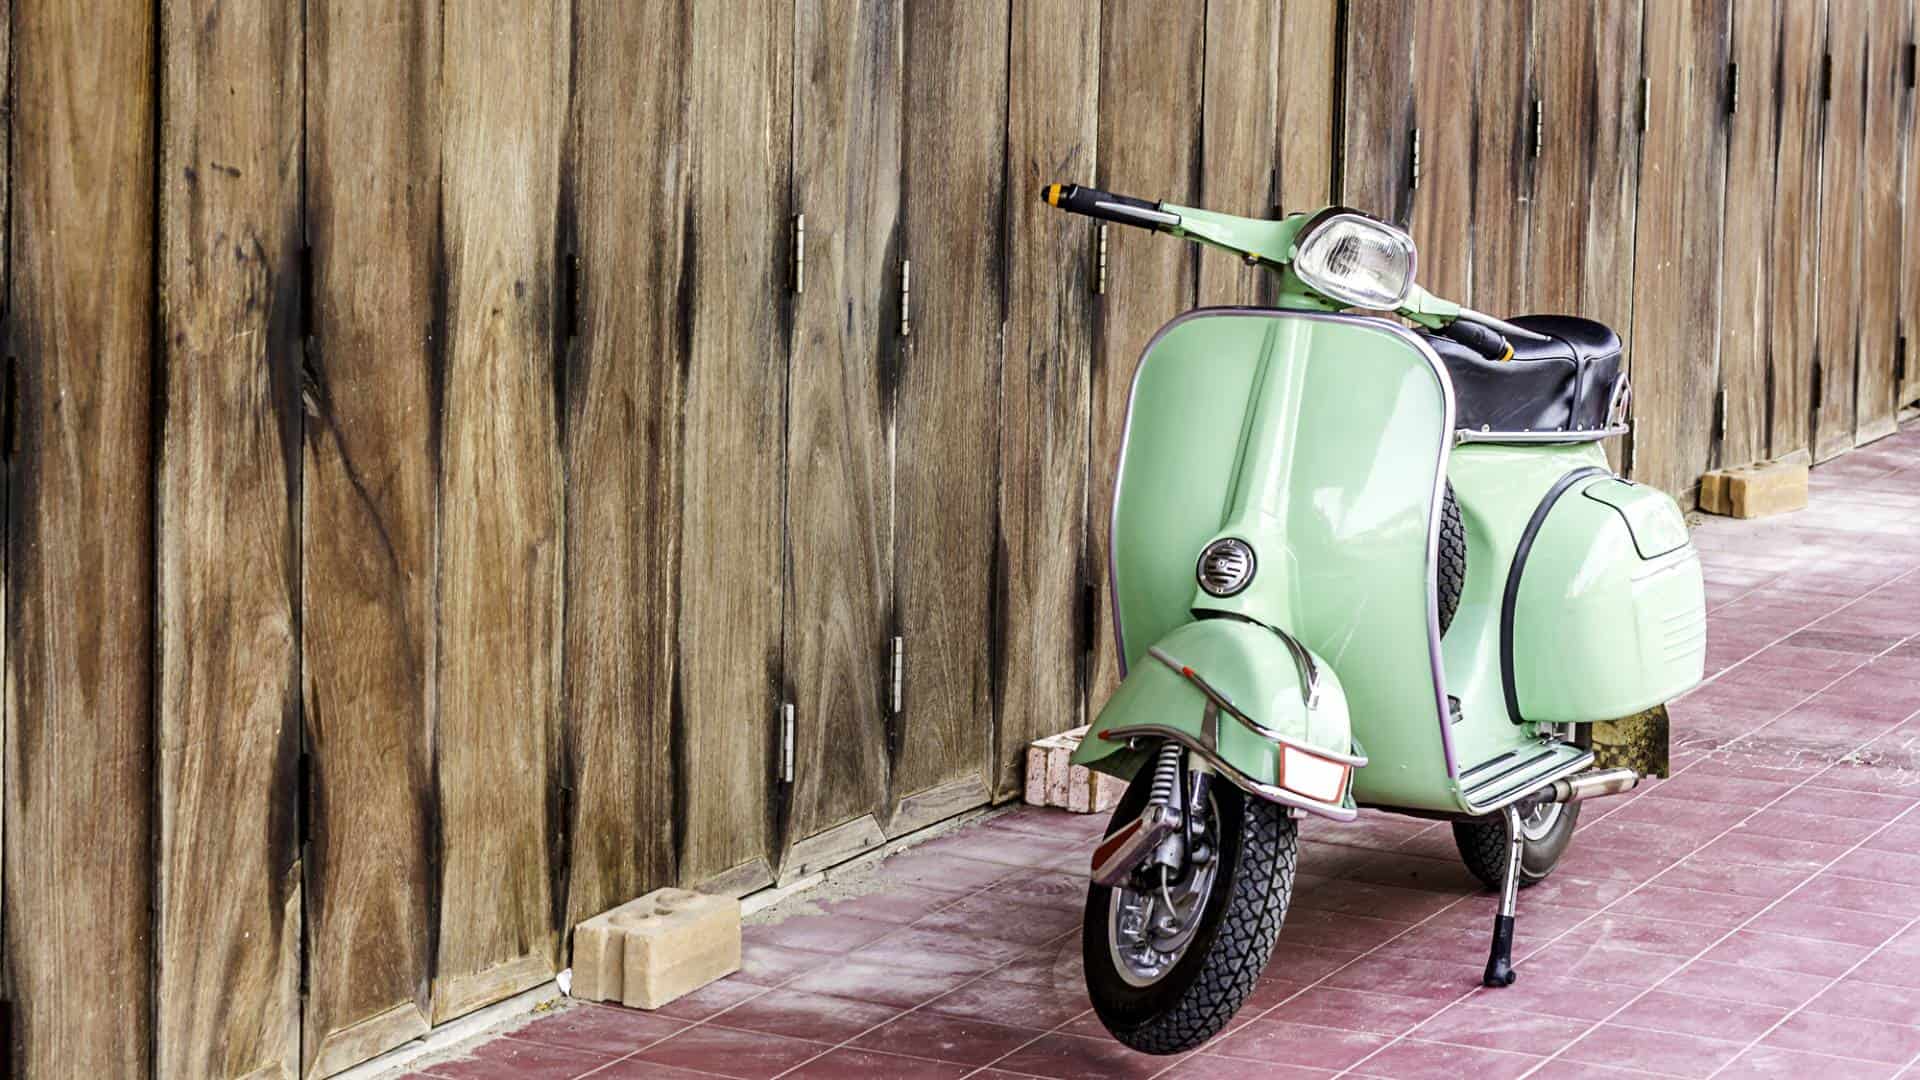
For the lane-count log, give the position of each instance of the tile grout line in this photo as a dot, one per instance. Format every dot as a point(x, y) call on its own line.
point(1717, 942)
point(1851, 968)
point(1703, 846)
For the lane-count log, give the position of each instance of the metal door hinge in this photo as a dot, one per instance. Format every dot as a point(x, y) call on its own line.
point(1912, 59)
point(1720, 414)
point(786, 743)
point(1626, 453)
point(1646, 101)
point(1826, 77)
point(906, 298)
point(1733, 87)
point(1819, 385)
point(799, 254)
point(896, 675)
point(1900, 358)
point(1089, 614)
point(1100, 263)
point(303, 808)
point(1415, 162)
point(1539, 126)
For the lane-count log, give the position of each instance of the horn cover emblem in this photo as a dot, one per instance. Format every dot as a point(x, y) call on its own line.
point(1226, 566)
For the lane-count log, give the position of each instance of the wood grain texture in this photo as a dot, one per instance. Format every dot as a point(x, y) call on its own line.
point(1503, 166)
point(1149, 125)
point(1376, 155)
point(1306, 90)
point(739, 152)
point(1053, 87)
point(1837, 350)
point(1444, 110)
point(369, 525)
point(1580, 240)
point(624, 384)
point(228, 929)
point(1677, 244)
point(1908, 389)
point(497, 744)
point(1795, 256)
point(1889, 30)
point(1238, 130)
point(839, 535)
point(948, 397)
point(78, 760)
point(1746, 281)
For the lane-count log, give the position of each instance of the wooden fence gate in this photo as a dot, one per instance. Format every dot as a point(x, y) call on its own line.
point(470, 463)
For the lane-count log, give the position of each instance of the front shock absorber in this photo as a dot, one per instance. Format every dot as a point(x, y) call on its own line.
point(1166, 776)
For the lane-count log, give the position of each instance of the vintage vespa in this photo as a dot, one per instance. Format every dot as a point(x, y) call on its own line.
point(1356, 564)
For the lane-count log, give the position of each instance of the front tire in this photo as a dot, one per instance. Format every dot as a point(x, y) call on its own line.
point(1187, 1003)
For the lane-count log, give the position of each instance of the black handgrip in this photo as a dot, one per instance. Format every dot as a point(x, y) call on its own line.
point(1484, 340)
point(1105, 205)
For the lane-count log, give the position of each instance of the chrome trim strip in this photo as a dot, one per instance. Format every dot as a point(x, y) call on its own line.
point(1468, 435)
point(1513, 795)
point(1240, 780)
point(1441, 711)
point(1225, 704)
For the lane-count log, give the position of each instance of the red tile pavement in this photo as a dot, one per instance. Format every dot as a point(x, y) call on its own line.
point(1758, 914)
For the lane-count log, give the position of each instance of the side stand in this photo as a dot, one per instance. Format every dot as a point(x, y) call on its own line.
point(1500, 960)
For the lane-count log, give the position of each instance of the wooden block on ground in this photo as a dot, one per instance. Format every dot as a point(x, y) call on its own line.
point(1053, 779)
point(652, 950)
point(1751, 491)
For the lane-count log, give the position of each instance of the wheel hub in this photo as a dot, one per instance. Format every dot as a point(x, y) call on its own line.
point(1152, 920)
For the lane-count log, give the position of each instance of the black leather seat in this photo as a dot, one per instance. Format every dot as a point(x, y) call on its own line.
point(1562, 384)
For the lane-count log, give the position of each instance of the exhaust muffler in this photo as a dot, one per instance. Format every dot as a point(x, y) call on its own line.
point(1592, 785)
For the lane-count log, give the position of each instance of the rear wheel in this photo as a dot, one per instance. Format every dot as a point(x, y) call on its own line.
point(1170, 957)
point(1546, 829)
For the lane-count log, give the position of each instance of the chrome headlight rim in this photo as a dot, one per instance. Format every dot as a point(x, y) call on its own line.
point(1333, 215)
point(1240, 582)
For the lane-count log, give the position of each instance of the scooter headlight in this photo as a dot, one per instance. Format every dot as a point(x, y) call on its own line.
point(1356, 260)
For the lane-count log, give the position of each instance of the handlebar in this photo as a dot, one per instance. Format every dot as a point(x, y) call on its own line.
point(1105, 205)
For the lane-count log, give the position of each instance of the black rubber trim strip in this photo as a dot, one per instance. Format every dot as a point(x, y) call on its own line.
point(1489, 763)
point(1511, 595)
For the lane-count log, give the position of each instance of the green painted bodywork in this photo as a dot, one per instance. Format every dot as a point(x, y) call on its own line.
point(1320, 440)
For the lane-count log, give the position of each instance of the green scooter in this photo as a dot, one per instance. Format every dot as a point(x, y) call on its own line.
point(1357, 564)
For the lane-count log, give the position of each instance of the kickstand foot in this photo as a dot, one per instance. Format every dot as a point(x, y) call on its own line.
point(1500, 959)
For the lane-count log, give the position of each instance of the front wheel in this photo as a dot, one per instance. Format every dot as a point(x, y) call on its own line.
point(1171, 956)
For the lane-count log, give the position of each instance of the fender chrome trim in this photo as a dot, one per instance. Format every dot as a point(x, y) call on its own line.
point(1241, 780)
point(1225, 704)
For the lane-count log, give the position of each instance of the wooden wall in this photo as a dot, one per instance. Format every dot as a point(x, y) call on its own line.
point(434, 459)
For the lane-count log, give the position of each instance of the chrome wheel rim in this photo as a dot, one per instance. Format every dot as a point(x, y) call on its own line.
point(1149, 931)
point(1538, 820)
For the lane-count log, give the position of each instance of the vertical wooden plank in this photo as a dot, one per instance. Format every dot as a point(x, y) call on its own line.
point(368, 523)
point(1502, 169)
point(839, 555)
point(1238, 99)
point(1746, 278)
point(1376, 159)
point(1149, 126)
point(1306, 83)
point(740, 157)
point(1837, 351)
point(623, 421)
point(1796, 252)
point(1052, 132)
point(1677, 248)
point(1889, 29)
point(504, 96)
point(946, 521)
point(1613, 167)
point(227, 985)
point(1907, 391)
point(1445, 44)
point(79, 751)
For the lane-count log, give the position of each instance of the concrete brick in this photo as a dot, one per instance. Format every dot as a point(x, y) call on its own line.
point(1053, 780)
point(649, 951)
point(1751, 491)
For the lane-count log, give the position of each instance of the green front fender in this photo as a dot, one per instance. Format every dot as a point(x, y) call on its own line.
point(1256, 677)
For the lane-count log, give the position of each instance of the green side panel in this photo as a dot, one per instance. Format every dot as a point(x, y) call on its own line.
point(1316, 439)
point(1653, 520)
point(1599, 631)
point(1497, 486)
point(1251, 668)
